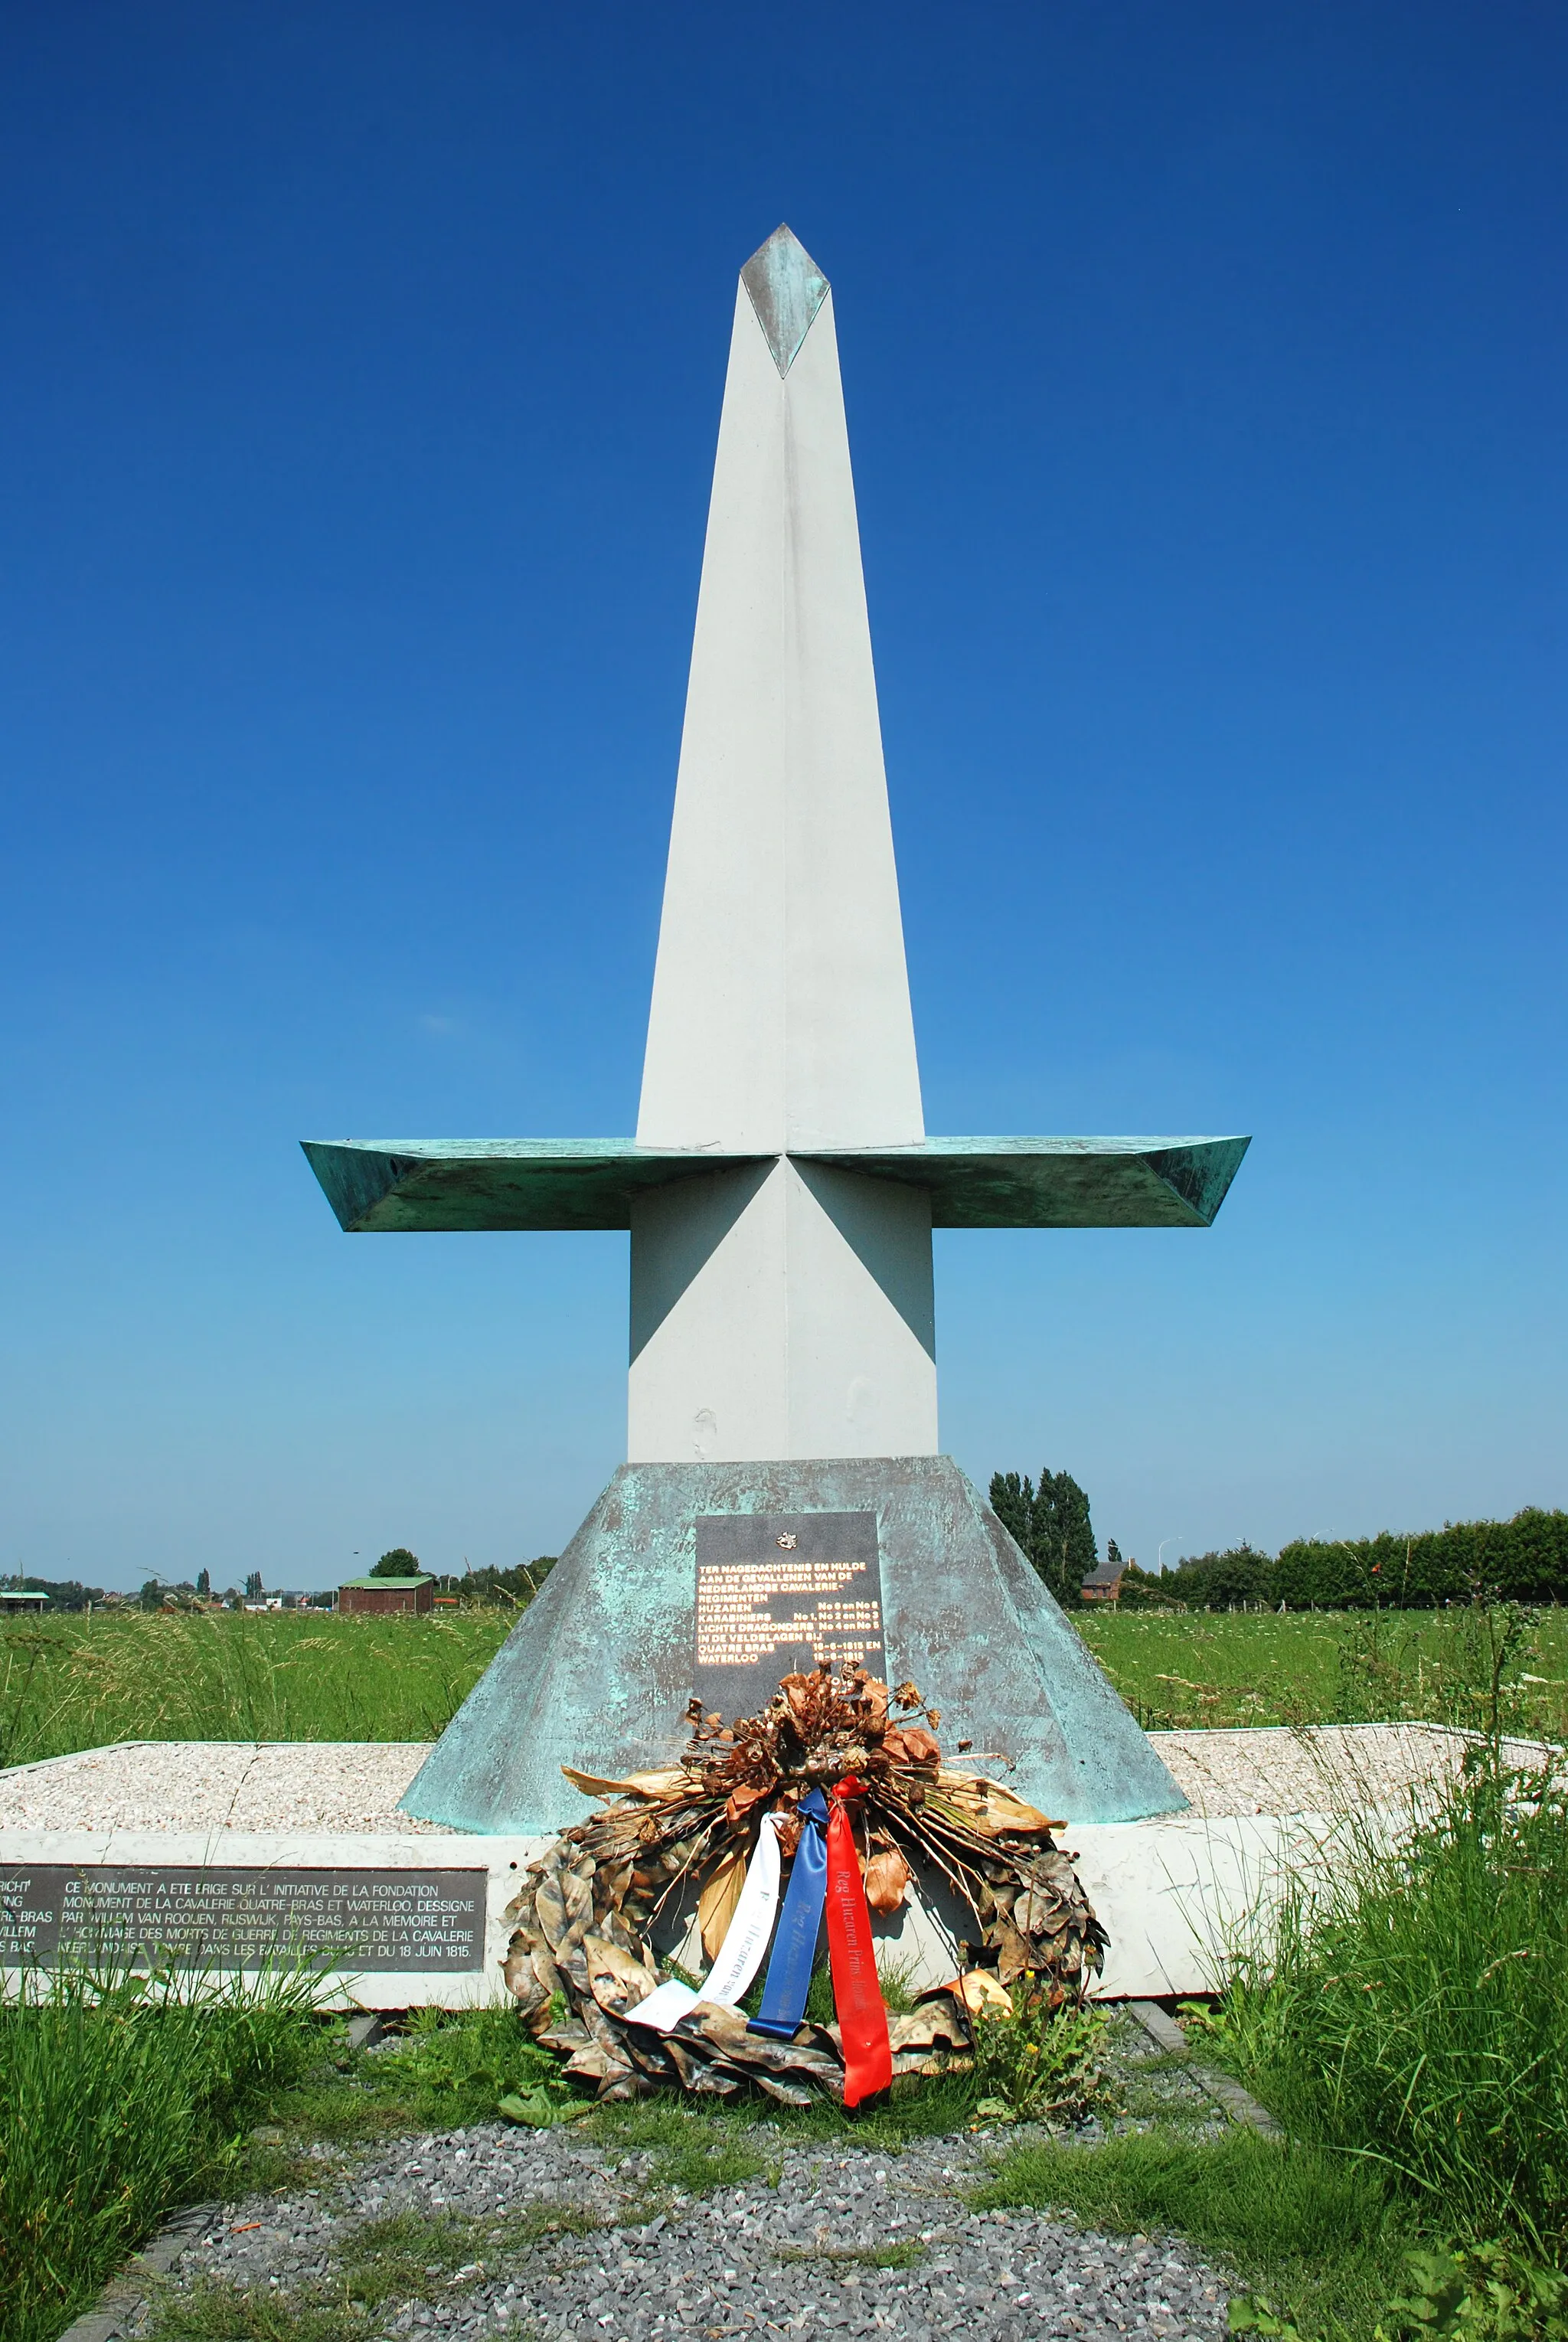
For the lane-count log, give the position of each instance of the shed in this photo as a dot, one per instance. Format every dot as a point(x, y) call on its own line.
point(374, 1595)
point(24, 1598)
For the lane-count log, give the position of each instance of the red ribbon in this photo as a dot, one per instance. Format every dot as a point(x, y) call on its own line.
point(856, 1993)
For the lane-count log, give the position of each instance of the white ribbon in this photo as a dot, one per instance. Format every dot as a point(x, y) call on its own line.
point(740, 1955)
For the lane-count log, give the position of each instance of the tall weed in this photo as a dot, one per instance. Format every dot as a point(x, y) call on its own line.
point(121, 2096)
point(1039, 2065)
point(1408, 2008)
point(1475, 1666)
point(83, 1682)
point(1470, 1664)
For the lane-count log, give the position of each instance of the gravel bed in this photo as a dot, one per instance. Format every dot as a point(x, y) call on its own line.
point(792, 2256)
point(552, 2236)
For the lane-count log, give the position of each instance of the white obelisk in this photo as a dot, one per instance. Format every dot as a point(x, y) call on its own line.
point(783, 1310)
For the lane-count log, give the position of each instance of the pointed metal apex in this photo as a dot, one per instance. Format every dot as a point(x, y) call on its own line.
point(786, 289)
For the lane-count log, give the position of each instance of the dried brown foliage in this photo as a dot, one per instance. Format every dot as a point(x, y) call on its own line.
point(579, 1961)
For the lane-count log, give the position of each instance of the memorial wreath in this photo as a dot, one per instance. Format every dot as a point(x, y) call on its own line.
point(844, 1781)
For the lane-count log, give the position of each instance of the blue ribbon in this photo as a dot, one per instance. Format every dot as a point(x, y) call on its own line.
point(800, 1923)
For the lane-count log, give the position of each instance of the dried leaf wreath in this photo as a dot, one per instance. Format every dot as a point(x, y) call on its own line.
point(582, 1915)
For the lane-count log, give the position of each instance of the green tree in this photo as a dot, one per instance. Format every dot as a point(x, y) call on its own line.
point(254, 1587)
point(204, 1584)
point(1051, 1524)
point(1223, 1581)
point(398, 1563)
point(1012, 1502)
point(513, 1588)
point(64, 1593)
point(1066, 1534)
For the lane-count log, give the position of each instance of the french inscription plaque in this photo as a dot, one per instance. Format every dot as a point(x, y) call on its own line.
point(373, 1922)
point(780, 1592)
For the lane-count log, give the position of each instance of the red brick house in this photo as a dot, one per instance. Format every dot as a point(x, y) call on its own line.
point(374, 1597)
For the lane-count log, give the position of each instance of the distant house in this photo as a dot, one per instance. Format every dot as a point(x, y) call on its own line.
point(1104, 1583)
point(372, 1596)
point(22, 1598)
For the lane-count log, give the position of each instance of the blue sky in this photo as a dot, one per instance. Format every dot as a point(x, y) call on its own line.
point(362, 367)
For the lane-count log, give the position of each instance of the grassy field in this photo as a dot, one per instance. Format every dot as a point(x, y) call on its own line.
point(1181, 1669)
point(76, 1682)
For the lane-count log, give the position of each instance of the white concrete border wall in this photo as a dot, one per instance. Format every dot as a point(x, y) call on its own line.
point(502, 1860)
point(1172, 1893)
point(1177, 1892)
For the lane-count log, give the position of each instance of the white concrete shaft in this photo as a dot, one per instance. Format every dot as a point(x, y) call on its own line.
point(781, 1013)
point(780, 1311)
point(784, 1311)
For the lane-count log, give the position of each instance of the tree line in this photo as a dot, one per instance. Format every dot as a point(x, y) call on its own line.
point(511, 1589)
point(516, 1587)
point(1524, 1559)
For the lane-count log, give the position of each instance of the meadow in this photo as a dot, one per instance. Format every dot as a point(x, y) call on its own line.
point(80, 1682)
point(1180, 1670)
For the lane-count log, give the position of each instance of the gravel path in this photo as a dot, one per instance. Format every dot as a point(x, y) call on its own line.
point(790, 2250)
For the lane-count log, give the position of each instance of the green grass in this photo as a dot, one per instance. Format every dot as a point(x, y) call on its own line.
point(118, 2106)
point(899, 2256)
point(1403, 2015)
point(681, 2150)
point(264, 2059)
point(406, 2257)
point(1318, 2235)
point(1181, 1669)
point(216, 2311)
point(76, 1681)
point(446, 2071)
point(1414, 2017)
point(395, 2258)
point(916, 2108)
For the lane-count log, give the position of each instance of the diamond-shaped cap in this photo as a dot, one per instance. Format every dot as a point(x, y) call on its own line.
point(787, 289)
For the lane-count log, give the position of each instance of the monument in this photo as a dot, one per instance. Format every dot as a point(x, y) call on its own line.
point(784, 1498)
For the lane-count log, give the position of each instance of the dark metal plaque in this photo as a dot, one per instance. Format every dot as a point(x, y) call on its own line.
point(373, 1922)
point(777, 1592)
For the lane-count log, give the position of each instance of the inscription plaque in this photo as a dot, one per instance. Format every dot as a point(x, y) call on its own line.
point(374, 1922)
point(777, 1592)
